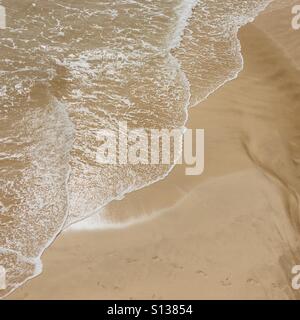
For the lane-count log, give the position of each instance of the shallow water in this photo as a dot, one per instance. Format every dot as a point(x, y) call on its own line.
point(70, 68)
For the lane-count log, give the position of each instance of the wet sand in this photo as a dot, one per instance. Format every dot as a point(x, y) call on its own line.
point(232, 233)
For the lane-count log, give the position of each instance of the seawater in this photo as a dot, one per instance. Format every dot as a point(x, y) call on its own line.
point(69, 68)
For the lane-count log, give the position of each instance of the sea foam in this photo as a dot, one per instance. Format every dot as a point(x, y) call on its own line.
point(69, 69)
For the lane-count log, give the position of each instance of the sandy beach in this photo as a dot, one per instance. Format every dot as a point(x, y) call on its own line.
point(231, 233)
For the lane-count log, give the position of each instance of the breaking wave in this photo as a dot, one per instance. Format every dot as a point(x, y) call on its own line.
point(70, 68)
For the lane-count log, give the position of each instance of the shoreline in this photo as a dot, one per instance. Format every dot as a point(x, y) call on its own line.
point(235, 247)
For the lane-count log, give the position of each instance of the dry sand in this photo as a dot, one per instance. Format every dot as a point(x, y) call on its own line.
point(231, 233)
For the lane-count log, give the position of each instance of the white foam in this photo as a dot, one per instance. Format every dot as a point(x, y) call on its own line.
point(184, 12)
point(154, 60)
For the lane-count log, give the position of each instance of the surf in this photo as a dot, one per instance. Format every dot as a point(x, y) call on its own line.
point(95, 64)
